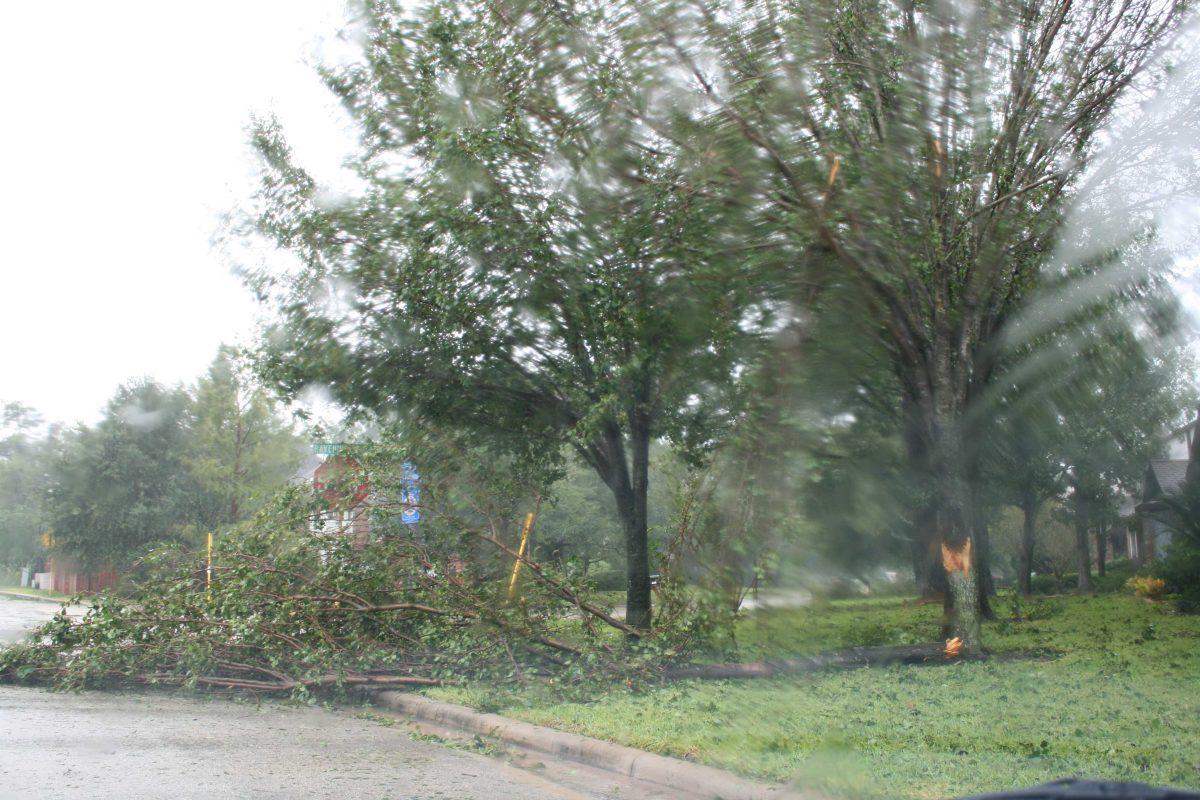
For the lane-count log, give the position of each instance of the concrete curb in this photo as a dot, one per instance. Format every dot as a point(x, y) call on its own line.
point(640, 765)
point(23, 596)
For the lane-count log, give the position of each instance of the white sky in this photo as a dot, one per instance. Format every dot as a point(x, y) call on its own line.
point(122, 144)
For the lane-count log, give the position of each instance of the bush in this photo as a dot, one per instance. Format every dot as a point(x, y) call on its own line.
point(1147, 587)
point(606, 577)
point(1046, 584)
point(1116, 577)
point(1180, 571)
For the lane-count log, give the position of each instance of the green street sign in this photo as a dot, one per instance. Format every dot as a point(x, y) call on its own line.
point(326, 448)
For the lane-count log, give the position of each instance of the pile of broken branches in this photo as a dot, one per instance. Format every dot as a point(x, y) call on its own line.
point(288, 610)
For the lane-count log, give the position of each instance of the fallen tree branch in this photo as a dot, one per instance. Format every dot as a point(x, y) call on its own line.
point(562, 591)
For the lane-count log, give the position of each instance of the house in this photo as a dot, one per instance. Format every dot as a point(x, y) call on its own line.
point(65, 575)
point(1148, 531)
point(333, 475)
point(323, 471)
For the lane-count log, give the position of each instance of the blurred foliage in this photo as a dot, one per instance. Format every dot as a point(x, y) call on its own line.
point(162, 464)
point(1181, 566)
point(1054, 556)
point(516, 264)
point(123, 485)
point(26, 451)
point(297, 607)
point(239, 447)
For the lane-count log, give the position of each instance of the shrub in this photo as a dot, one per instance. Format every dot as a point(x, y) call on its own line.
point(1181, 567)
point(1116, 577)
point(1147, 587)
point(1046, 584)
point(1180, 571)
point(606, 577)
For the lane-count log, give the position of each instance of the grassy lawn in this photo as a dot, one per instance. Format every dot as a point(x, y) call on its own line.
point(1119, 697)
point(46, 593)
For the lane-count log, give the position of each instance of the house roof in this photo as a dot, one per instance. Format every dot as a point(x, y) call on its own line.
point(1169, 474)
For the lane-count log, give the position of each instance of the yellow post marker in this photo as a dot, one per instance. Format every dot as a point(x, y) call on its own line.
point(208, 565)
point(516, 572)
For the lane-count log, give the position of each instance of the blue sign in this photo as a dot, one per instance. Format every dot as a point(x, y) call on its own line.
point(410, 494)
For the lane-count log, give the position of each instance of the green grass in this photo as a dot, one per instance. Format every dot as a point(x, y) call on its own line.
point(1120, 698)
point(46, 593)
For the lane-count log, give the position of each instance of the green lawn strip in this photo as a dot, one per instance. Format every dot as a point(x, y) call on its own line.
point(46, 593)
point(1121, 700)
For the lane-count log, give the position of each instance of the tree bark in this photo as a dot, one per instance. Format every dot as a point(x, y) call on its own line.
point(627, 476)
point(924, 548)
point(933, 441)
point(983, 566)
point(1082, 552)
point(964, 592)
point(1101, 548)
point(637, 547)
point(1029, 509)
point(955, 521)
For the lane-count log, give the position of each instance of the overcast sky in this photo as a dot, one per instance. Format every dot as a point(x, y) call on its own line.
point(123, 142)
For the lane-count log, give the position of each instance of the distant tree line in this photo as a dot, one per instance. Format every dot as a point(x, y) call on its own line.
point(162, 464)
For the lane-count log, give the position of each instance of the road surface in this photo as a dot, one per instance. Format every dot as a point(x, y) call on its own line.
point(100, 745)
point(18, 617)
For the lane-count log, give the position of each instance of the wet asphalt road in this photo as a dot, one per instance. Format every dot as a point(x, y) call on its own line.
point(100, 745)
point(18, 617)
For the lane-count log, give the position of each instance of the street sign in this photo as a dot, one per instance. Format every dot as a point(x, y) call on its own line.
point(327, 448)
point(410, 494)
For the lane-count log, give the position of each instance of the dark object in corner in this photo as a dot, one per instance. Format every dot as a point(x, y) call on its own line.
point(1071, 789)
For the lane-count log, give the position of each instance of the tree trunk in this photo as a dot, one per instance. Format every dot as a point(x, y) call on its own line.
point(924, 548)
point(1082, 552)
point(637, 546)
point(627, 476)
point(955, 518)
point(937, 456)
point(964, 593)
point(1101, 548)
point(919, 554)
point(983, 566)
point(1029, 509)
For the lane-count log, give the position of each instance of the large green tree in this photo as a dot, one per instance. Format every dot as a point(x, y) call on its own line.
point(931, 149)
point(240, 449)
point(1115, 409)
point(524, 259)
point(124, 484)
point(24, 454)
